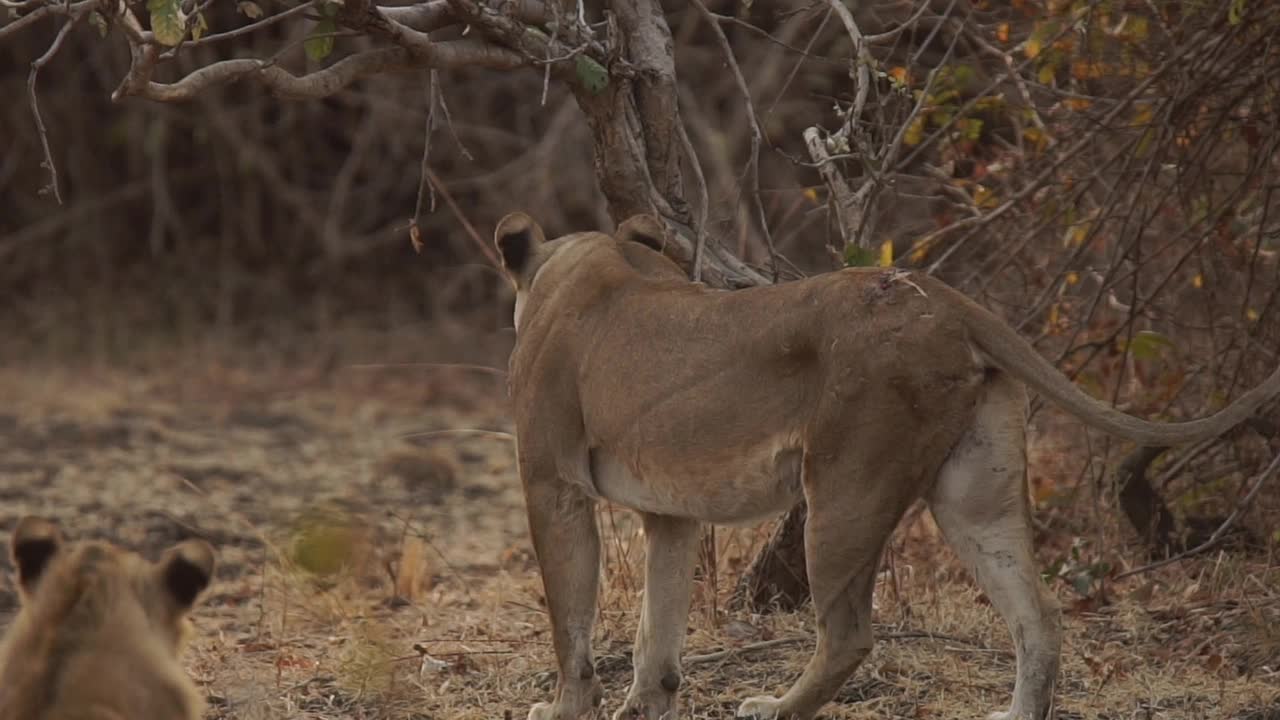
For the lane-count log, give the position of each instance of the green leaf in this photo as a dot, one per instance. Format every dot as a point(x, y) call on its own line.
point(591, 74)
point(98, 22)
point(167, 23)
point(1082, 583)
point(1147, 344)
point(1235, 12)
point(320, 43)
point(199, 27)
point(856, 256)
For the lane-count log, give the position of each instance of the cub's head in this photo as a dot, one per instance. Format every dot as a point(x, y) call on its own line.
point(525, 250)
point(89, 607)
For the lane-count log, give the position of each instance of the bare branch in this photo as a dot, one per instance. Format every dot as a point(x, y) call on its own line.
point(33, 17)
point(1218, 535)
point(704, 201)
point(860, 73)
point(848, 206)
point(424, 184)
point(241, 31)
point(753, 163)
point(326, 82)
point(76, 16)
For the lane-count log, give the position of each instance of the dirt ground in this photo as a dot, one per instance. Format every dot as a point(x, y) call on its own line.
point(374, 559)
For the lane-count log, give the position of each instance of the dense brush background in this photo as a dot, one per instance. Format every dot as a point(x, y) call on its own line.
point(1114, 200)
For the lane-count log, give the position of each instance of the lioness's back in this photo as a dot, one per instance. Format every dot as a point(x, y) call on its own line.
point(100, 630)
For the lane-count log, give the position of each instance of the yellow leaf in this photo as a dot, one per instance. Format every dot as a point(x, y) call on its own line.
point(1046, 74)
point(915, 132)
point(1075, 235)
point(1137, 27)
point(1251, 314)
point(1053, 318)
point(1197, 282)
point(886, 253)
point(984, 198)
point(899, 74)
point(1073, 278)
point(1037, 137)
point(811, 195)
point(1002, 32)
point(1033, 47)
point(1086, 69)
point(920, 253)
point(1143, 116)
point(1078, 104)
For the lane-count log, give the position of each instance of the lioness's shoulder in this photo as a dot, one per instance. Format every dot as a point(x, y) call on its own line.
point(100, 629)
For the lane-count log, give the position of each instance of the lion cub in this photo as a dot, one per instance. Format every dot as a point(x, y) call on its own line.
point(100, 630)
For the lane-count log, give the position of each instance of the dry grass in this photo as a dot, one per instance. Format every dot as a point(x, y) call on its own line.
point(365, 575)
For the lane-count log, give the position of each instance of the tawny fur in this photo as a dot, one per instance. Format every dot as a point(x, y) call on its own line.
point(100, 631)
point(861, 391)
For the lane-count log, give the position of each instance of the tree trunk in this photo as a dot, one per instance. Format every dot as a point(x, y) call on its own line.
point(1142, 505)
point(776, 578)
point(635, 126)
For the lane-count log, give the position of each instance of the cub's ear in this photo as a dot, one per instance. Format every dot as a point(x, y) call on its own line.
point(34, 543)
point(644, 229)
point(185, 571)
point(517, 237)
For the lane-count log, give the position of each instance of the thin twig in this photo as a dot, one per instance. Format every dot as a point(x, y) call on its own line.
point(1218, 535)
point(751, 647)
point(793, 640)
point(415, 234)
point(434, 366)
point(753, 163)
point(244, 30)
point(861, 73)
point(39, 63)
point(494, 434)
point(703, 200)
point(489, 252)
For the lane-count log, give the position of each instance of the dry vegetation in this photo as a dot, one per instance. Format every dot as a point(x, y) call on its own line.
point(223, 331)
point(371, 567)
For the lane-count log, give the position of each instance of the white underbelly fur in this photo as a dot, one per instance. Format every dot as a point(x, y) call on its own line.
point(753, 487)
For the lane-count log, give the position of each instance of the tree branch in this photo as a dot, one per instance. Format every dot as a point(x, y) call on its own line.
point(76, 16)
point(753, 162)
point(33, 17)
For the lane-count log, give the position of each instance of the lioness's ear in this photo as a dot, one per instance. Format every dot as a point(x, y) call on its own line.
point(517, 237)
point(644, 229)
point(33, 544)
point(185, 571)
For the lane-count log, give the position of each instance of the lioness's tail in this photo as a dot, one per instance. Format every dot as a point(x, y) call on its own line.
point(1008, 351)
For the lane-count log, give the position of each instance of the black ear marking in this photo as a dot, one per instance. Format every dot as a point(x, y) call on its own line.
point(187, 570)
point(515, 247)
point(517, 237)
point(34, 543)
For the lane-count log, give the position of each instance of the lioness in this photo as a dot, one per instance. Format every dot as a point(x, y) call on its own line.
point(100, 630)
point(859, 390)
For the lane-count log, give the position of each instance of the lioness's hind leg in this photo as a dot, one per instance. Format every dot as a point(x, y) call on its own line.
point(844, 536)
point(980, 503)
point(672, 549)
point(567, 544)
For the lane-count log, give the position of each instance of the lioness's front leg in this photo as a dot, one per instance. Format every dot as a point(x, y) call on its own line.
point(563, 526)
point(668, 582)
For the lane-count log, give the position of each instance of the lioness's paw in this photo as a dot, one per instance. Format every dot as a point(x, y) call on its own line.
point(759, 708)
